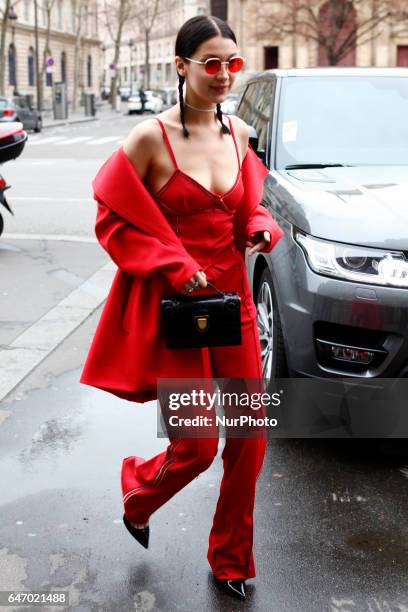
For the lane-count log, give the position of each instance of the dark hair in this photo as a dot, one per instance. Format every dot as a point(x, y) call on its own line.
point(190, 36)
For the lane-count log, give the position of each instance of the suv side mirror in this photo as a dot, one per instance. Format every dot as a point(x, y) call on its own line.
point(253, 141)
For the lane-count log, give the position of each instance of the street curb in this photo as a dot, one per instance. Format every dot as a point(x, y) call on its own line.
point(41, 338)
point(68, 122)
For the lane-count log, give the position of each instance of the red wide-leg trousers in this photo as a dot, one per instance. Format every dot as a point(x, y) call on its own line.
point(147, 485)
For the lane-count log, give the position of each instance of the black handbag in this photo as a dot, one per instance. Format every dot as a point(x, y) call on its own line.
point(202, 320)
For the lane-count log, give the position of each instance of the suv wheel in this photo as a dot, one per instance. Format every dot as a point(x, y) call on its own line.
point(38, 125)
point(270, 331)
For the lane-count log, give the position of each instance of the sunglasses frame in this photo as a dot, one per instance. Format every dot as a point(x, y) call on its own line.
point(221, 63)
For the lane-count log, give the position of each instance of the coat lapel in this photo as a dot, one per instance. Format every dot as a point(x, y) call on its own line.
point(118, 185)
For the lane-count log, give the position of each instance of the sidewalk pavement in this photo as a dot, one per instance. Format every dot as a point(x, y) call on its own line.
point(103, 111)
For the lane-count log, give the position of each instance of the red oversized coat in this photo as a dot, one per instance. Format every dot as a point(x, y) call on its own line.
point(152, 262)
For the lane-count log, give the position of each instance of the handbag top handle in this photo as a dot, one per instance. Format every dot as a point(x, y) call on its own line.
point(212, 285)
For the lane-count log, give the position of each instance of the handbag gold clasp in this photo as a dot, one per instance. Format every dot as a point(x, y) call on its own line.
point(201, 322)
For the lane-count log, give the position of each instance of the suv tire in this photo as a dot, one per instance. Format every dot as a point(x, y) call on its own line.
point(274, 364)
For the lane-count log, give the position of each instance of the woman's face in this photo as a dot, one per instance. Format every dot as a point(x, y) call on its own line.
point(208, 87)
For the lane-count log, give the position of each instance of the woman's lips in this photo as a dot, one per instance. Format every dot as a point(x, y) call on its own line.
point(221, 89)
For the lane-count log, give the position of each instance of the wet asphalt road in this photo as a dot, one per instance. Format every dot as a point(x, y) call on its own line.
point(331, 530)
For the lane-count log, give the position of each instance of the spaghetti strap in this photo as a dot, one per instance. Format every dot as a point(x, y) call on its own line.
point(167, 143)
point(235, 142)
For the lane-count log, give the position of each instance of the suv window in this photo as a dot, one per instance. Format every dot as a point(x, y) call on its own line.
point(262, 113)
point(255, 109)
point(247, 104)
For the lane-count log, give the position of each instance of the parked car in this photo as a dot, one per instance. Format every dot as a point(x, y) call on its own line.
point(18, 108)
point(12, 142)
point(153, 103)
point(229, 106)
point(124, 92)
point(332, 296)
point(169, 95)
point(134, 104)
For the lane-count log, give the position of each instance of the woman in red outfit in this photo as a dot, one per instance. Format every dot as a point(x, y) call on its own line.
point(203, 177)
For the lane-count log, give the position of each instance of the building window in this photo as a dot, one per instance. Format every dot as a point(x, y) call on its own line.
point(402, 55)
point(89, 71)
point(342, 50)
point(219, 9)
point(43, 9)
point(31, 72)
point(12, 64)
point(86, 22)
point(60, 14)
point(63, 67)
point(271, 57)
point(26, 10)
point(73, 16)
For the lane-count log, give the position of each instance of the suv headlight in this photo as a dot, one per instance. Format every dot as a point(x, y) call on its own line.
point(354, 263)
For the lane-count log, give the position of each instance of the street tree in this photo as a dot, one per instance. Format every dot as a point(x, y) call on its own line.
point(146, 15)
point(116, 15)
point(78, 8)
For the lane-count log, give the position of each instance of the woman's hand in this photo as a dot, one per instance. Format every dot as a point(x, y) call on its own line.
point(258, 241)
point(196, 281)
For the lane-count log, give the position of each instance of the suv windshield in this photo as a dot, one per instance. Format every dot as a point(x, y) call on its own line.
point(343, 120)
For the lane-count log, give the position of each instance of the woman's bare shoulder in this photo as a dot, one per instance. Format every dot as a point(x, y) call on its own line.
point(141, 143)
point(241, 131)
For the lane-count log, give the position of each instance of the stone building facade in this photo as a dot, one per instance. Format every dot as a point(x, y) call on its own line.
point(172, 14)
point(262, 51)
point(20, 73)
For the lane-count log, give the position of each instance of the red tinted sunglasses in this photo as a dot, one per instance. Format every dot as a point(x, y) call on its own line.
point(212, 65)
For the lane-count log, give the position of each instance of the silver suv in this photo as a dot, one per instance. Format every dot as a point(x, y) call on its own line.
point(332, 297)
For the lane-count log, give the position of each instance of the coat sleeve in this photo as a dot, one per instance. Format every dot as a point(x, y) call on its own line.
point(261, 221)
point(251, 216)
point(140, 254)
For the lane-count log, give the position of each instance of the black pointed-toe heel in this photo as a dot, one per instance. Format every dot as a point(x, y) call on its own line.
point(235, 588)
point(141, 535)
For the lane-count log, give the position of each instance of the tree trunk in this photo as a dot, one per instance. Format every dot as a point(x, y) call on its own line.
point(114, 79)
point(147, 62)
point(77, 54)
point(294, 34)
point(43, 72)
point(123, 14)
point(3, 47)
point(373, 50)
